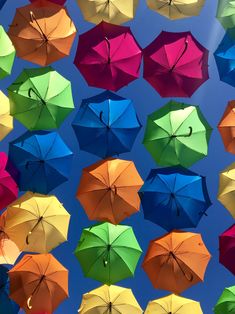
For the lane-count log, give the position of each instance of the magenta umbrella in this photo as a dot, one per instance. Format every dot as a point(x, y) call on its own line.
point(227, 248)
point(8, 186)
point(175, 64)
point(60, 2)
point(108, 56)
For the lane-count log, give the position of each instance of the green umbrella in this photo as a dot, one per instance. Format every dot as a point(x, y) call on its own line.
point(226, 13)
point(7, 54)
point(40, 98)
point(226, 302)
point(177, 134)
point(108, 253)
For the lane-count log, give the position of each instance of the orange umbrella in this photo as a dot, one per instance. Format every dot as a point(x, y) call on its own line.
point(42, 32)
point(9, 251)
point(176, 261)
point(38, 283)
point(108, 190)
point(226, 127)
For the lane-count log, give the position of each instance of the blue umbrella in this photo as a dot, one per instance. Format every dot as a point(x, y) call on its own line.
point(42, 159)
point(106, 125)
point(2, 2)
point(7, 306)
point(174, 198)
point(225, 59)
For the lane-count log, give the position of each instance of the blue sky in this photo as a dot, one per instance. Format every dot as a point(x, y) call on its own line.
point(212, 98)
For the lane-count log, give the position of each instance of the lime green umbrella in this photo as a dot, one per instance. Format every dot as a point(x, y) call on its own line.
point(226, 302)
point(226, 13)
point(108, 253)
point(40, 98)
point(7, 54)
point(177, 134)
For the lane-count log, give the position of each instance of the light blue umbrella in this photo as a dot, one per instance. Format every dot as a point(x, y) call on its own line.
point(42, 159)
point(106, 125)
point(174, 198)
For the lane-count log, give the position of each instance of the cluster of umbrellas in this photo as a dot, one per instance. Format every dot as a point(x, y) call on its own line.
point(177, 136)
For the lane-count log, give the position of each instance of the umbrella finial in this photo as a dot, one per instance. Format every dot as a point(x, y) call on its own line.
point(33, 19)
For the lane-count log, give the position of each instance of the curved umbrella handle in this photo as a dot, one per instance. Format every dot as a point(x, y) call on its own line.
point(27, 238)
point(29, 305)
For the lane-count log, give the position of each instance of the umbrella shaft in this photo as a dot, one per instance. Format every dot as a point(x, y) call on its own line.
point(185, 49)
point(33, 19)
point(41, 99)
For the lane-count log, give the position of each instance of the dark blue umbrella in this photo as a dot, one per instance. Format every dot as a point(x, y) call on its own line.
point(225, 59)
point(106, 125)
point(7, 306)
point(174, 198)
point(42, 159)
point(2, 2)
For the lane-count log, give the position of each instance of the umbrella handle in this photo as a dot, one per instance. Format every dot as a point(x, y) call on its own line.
point(37, 94)
point(29, 305)
point(33, 19)
point(185, 49)
point(109, 48)
point(184, 135)
point(34, 227)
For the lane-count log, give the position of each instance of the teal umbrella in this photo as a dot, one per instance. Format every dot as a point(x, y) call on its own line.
point(108, 253)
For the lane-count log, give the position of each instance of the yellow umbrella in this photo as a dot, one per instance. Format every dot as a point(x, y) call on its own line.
point(176, 9)
point(109, 300)
point(226, 194)
point(37, 223)
point(173, 304)
point(6, 121)
point(9, 251)
point(111, 11)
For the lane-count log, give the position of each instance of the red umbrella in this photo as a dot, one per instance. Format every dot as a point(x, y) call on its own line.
point(227, 248)
point(175, 64)
point(61, 2)
point(108, 56)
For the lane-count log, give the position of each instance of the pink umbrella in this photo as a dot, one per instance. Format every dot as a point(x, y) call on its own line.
point(61, 2)
point(227, 249)
point(175, 64)
point(108, 56)
point(8, 186)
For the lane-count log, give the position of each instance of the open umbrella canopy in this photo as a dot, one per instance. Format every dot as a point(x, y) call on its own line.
point(174, 198)
point(6, 120)
point(175, 64)
point(226, 13)
point(226, 302)
point(226, 193)
point(176, 9)
point(108, 253)
point(111, 11)
point(38, 283)
point(36, 216)
point(176, 261)
point(109, 299)
point(173, 304)
point(7, 52)
point(225, 59)
point(43, 161)
point(7, 306)
point(108, 190)
point(226, 127)
point(177, 134)
point(60, 2)
point(106, 125)
point(9, 251)
point(227, 248)
point(40, 98)
point(42, 32)
point(8, 186)
point(108, 56)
